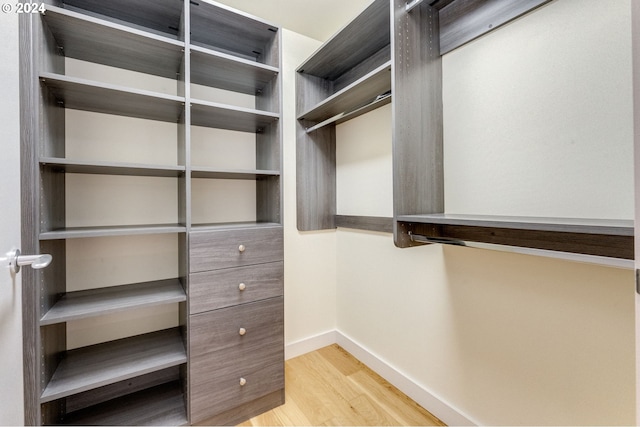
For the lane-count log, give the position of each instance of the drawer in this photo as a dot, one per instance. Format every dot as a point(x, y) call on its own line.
point(214, 250)
point(232, 343)
point(216, 289)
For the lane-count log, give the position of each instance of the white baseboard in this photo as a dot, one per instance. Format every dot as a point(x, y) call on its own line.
point(308, 345)
point(428, 400)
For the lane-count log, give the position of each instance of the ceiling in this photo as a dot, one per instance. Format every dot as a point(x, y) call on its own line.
point(318, 19)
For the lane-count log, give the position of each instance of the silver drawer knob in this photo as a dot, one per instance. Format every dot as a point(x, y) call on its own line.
point(242, 248)
point(242, 382)
point(242, 286)
point(242, 331)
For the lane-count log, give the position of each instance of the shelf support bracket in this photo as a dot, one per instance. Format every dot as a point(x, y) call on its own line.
point(413, 4)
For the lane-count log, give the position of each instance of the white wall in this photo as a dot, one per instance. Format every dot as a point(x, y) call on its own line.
point(11, 385)
point(509, 339)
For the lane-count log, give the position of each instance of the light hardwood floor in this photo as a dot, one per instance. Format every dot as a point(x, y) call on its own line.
point(330, 387)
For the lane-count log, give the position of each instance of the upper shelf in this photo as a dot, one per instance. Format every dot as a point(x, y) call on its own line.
point(87, 95)
point(600, 237)
point(220, 70)
point(358, 94)
point(158, 16)
point(230, 31)
point(367, 34)
point(95, 40)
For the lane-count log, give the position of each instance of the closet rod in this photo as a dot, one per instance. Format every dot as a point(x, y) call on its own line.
point(425, 239)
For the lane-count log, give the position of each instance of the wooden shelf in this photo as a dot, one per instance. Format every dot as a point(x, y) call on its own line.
point(609, 238)
point(224, 29)
point(109, 231)
point(359, 94)
point(221, 116)
point(98, 365)
point(91, 39)
point(214, 173)
point(362, 38)
point(215, 69)
point(97, 302)
point(87, 95)
point(110, 168)
point(233, 225)
point(158, 16)
point(158, 406)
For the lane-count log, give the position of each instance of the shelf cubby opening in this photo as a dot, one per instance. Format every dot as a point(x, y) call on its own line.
point(220, 28)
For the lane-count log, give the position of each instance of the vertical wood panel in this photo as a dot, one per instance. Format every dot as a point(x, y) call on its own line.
point(418, 183)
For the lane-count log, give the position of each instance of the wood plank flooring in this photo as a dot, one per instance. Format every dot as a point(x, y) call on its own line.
point(329, 387)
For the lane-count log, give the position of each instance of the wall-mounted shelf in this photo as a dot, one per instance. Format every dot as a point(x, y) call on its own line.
point(214, 173)
point(103, 364)
point(220, 116)
point(97, 97)
point(220, 70)
point(110, 168)
point(95, 40)
point(110, 231)
point(98, 302)
point(610, 238)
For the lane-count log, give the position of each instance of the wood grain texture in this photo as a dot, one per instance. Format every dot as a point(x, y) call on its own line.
point(90, 39)
point(97, 302)
point(215, 69)
point(331, 387)
point(87, 95)
point(465, 20)
point(361, 92)
point(315, 177)
point(215, 115)
point(245, 411)
point(218, 289)
point(216, 173)
point(220, 356)
point(221, 28)
point(110, 168)
point(214, 250)
point(361, 38)
point(371, 223)
point(418, 177)
point(107, 231)
point(107, 363)
point(158, 406)
point(161, 16)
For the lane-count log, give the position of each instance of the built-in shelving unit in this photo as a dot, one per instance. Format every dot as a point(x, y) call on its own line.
point(184, 48)
point(347, 76)
point(396, 46)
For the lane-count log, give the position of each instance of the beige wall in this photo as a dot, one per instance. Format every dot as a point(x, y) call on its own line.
point(502, 338)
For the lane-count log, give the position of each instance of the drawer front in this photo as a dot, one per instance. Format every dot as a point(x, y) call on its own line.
point(230, 344)
point(216, 289)
point(214, 250)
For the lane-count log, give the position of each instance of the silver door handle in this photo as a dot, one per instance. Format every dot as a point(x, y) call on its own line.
point(16, 260)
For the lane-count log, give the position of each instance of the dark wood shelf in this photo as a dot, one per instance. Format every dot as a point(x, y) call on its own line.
point(221, 28)
point(220, 70)
point(362, 38)
point(600, 237)
point(87, 95)
point(95, 40)
point(221, 116)
point(214, 173)
point(162, 405)
point(108, 231)
point(233, 226)
point(98, 365)
point(110, 168)
point(360, 93)
point(97, 302)
point(162, 17)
